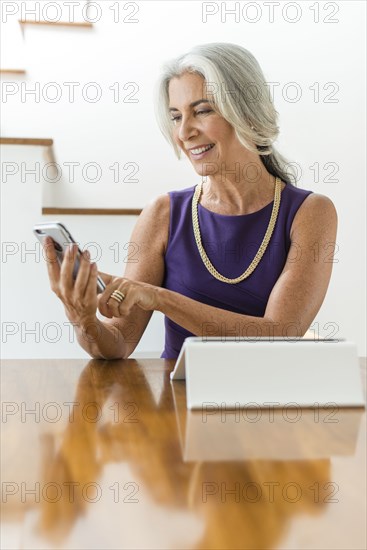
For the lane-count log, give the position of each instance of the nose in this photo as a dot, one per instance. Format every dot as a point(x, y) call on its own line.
point(187, 129)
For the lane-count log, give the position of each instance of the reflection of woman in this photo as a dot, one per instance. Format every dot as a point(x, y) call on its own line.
point(243, 253)
point(257, 500)
point(255, 517)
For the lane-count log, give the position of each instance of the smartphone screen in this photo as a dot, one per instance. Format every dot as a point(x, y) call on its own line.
point(62, 239)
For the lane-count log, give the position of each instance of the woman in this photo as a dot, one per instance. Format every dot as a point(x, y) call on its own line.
point(244, 252)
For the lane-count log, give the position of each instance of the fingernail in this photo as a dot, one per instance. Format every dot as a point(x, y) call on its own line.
point(86, 254)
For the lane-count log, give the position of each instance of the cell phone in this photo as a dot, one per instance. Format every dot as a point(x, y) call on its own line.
point(62, 239)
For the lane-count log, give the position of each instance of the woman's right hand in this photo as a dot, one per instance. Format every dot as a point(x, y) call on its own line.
point(80, 296)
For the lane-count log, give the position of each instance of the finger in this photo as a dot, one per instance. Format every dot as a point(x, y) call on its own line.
point(91, 288)
point(109, 306)
point(123, 308)
point(137, 294)
point(113, 307)
point(53, 266)
point(106, 278)
point(49, 250)
point(82, 278)
point(67, 268)
point(104, 297)
point(104, 305)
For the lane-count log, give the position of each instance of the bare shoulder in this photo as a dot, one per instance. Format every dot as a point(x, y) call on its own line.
point(153, 223)
point(317, 214)
point(159, 202)
point(159, 206)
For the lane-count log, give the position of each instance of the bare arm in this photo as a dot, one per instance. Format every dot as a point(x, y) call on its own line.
point(116, 337)
point(297, 295)
point(150, 236)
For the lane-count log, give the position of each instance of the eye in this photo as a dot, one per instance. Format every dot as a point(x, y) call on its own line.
point(178, 117)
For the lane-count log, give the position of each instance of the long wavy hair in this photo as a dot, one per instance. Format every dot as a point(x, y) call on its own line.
point(238, 90)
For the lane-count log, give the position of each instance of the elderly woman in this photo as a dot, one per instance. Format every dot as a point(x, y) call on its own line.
point(243, 252)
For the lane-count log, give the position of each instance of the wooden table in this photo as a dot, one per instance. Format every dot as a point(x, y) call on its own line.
point(104, 454)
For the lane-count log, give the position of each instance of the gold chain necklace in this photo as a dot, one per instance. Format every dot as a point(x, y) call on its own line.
point(259, 254)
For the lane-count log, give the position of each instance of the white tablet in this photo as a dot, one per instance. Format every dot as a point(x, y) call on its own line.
point(233, 372)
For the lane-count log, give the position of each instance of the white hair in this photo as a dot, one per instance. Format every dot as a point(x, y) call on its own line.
point(237, 87)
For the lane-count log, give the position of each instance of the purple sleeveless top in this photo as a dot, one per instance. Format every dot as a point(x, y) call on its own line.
point(231, 243)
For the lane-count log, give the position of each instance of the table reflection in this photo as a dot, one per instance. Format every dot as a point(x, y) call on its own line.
point(286, 433)
point(242, 481)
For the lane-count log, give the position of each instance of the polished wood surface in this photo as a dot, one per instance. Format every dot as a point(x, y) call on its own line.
point(104, 454)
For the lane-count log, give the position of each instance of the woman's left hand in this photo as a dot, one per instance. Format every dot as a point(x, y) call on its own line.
point(136, 294)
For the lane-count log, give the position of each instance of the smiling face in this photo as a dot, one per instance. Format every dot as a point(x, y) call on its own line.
point(205, 137)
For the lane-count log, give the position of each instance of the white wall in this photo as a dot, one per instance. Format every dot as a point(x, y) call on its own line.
point(326, 124)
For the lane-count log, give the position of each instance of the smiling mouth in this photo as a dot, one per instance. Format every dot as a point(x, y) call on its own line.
point(200, 150)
